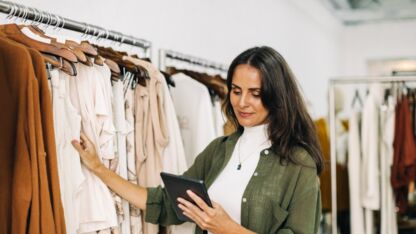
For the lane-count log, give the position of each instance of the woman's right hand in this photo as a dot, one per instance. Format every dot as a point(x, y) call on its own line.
point(87, 152)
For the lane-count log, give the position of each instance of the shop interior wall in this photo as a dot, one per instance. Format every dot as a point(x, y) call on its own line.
point(303, 31)
point(376, 41)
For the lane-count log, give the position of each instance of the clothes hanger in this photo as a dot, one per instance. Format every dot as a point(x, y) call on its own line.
point(114, 68)
point(168, 79)
point(140, 72)
point(50, 53)
point(357, 98)
point(212, 82)
point(81, 57)
point(60, 63)
point(13, 32)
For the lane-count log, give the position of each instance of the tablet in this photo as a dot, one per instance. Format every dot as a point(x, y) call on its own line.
point(176, 186)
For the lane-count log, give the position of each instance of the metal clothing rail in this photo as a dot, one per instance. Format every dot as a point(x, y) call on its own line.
point(33, 14)
point(165, 54)
point(333, 138)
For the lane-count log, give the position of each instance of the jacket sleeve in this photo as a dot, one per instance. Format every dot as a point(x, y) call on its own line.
point(159, 208)
point(305, 207)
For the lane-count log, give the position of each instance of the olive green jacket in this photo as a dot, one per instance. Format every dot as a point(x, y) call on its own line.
point(279, 198)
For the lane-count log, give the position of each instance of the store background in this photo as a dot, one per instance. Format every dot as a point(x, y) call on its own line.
point(314, 41)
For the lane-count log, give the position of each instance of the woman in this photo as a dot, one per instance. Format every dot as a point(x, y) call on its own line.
point(264, 177)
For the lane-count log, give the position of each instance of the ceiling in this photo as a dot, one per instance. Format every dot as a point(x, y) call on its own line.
point(352, 12)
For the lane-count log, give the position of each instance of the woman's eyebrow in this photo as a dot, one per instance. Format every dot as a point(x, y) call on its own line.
point(250, 89)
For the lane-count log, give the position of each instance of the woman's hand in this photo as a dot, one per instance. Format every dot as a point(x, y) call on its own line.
point(214, 219)
point(86, 150)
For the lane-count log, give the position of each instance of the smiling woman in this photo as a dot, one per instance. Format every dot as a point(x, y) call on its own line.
point(263, 178)
point(245, 96)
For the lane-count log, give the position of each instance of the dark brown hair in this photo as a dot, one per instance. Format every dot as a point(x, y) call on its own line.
point(290, 124)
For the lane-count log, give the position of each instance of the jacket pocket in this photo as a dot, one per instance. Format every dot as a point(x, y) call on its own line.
point(279, 217)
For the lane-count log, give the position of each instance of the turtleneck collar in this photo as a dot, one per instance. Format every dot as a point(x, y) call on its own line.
point(256, 134)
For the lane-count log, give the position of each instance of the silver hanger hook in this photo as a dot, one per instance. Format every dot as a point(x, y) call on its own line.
point(121, 40)
point(9, 15)
point(98, 36)
point(41, 17)
point(57, 22)
point(23, 15)
point(20, 12)
point(31, 11)
point(27, 11)
point(63, 23)
point(48, 23)
point(35, 16)
point(90, 32)
point(16, 13)
point(85, 31)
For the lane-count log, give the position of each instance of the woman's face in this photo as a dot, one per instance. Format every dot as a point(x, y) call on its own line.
point(245, 96)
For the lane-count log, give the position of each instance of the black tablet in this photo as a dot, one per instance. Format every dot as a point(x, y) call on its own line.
point(176, 186)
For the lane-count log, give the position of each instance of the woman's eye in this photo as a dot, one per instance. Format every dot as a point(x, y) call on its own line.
point(236, 92)
point(257, 95)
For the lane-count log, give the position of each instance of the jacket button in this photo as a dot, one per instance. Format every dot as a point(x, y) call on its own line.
point(266, 152)
point(255, 173)
point(244, 200)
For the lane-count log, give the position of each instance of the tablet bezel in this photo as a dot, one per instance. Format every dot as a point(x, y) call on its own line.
point(176, 186)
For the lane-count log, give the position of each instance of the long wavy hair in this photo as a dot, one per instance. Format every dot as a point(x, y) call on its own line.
point(290, 124)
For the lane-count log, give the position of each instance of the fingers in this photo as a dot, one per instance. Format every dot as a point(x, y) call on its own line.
point(84, 139)
point(77, 146)
point(190, 211)
point(201, 203)
point(201, 217)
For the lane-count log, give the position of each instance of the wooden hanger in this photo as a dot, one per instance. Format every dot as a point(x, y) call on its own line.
point(98, 60)
point(74, 49)
point(60, 63)
point(140, 72)
point(114, 68)
point(215, 83)
point(13, 32)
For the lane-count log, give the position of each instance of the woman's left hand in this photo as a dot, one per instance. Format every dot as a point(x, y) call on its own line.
point(214, 219)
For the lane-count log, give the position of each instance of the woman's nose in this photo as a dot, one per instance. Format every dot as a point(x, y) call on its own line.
point(243, 101)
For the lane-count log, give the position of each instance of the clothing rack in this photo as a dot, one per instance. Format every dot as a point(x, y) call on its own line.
point(33, 14)
point(333, 141)
point(169, 54)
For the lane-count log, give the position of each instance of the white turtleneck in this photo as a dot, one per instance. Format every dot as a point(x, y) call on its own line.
point(229, 187)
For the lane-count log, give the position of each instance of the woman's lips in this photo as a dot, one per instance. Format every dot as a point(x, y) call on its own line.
point(245, 115)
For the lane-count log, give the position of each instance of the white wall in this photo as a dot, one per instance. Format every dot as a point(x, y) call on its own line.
point(375, 42)
point(218, 30)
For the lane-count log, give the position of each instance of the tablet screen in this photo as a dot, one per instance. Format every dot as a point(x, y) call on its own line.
point(176, 186)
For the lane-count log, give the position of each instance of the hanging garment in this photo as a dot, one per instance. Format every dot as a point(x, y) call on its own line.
point(325, 177)
point(98, 211)
point(18, 171)
point(370, 137)
point(388, 207)
point(354, 174)
point(135, 217)
point(219, 118)
point(403, 171)
point(193, 109)
point(50, 186)
point(104, 114)
point(173, 157)
point(67, 125)
point(151, 131)
point(121, 133)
